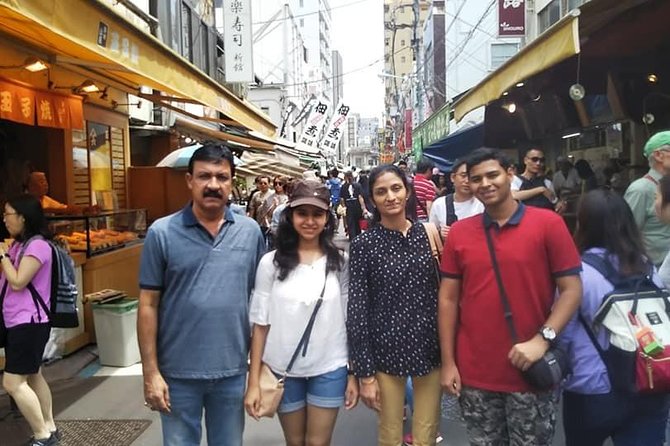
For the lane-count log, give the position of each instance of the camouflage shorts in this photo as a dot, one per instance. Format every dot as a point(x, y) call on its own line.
point(515, 419)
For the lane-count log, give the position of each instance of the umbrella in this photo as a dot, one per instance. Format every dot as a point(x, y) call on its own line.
point(178, 159)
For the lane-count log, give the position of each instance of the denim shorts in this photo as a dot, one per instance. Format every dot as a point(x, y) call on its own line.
point(326, 391)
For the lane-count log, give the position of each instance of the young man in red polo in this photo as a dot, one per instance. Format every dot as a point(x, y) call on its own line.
point(538, 261)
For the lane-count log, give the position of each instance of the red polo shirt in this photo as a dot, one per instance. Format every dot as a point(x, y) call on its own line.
point(532, 249)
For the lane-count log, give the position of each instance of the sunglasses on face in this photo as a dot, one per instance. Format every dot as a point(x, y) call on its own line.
point(277, 183)
point(537, 159)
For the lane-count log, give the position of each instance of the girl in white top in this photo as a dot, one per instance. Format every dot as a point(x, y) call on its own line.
point(289, 282)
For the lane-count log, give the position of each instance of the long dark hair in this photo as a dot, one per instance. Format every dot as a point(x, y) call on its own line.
point(374, 176)
point(664, 188)
point(286, 256)
point(604, 220)
point(29, 207)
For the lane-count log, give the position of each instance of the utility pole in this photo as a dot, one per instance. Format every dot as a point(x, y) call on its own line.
point(417, 60)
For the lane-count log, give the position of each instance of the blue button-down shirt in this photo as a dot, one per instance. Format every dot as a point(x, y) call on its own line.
point(589, 375)
point(205, 284)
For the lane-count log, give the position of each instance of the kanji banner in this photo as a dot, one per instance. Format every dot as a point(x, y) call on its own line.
point(27, 106)
point(237, 40)
point(511, 18)
point(334, 131)
point(315, 123)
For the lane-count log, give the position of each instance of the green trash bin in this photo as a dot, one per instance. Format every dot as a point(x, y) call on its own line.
point(116, 332)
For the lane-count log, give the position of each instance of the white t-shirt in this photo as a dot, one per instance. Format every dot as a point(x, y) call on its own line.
point(287, 306)
point(463, 209)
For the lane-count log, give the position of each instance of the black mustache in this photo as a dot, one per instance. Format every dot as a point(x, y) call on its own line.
point(212, 193)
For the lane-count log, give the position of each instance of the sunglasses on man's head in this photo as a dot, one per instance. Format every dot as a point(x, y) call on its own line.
point(537, 159)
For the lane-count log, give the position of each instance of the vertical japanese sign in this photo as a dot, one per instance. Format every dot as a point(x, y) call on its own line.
point(408, 127)
point(314, 124)
point(237, 40)
point(511, 18)
point(334, 131)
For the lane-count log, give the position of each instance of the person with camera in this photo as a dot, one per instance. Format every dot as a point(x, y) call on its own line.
point(484, 361)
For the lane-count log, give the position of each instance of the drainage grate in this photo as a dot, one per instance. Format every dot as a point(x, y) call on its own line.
point(100, 432)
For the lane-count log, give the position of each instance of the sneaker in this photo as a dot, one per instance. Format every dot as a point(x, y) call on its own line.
point(438, 438)
point(51, 441)
point(58, 434)
point(407, 439)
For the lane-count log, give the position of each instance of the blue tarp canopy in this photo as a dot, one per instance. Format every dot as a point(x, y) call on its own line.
point(456, 145)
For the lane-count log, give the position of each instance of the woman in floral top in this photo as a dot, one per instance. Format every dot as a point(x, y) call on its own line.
point(392, 313)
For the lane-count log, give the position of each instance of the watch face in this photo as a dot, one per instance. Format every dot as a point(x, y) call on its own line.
point(548, 333)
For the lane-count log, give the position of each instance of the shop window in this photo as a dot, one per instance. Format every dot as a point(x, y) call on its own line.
point(572, 4)
point(501, 52)
point(98, 162)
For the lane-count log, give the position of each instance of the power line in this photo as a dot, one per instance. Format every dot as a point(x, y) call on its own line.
point(470, 34)
point(312, 13)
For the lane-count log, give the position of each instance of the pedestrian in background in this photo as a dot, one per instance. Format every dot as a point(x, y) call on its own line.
point(27, 261)
point(641, 194)
point(391, 320)
point(532, 187)
point(288, 285)
point(592, 410)
point(351, 196)
point(197, 271)
point(424, 188)
point(537, 261)
point(261, 207)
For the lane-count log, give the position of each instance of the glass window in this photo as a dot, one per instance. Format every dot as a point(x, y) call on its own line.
point(501, 52)
point(572, 4)
point(549, 15)
point(186, 32)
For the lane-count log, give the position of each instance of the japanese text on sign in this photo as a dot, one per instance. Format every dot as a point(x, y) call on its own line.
point(237, 40)
point(334, 131)
point(314, 124)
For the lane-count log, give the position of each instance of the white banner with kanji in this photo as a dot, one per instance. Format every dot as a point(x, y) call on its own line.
point(314, 124)
point(334, 132)
point(237, 41)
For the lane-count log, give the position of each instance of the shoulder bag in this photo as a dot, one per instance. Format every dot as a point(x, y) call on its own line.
point(272, 387)
point(549, 370)
point(436, 247)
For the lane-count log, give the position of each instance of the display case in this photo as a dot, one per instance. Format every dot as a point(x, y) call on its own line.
point(102, 232)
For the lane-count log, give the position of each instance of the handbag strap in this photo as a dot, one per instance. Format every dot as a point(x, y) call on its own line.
point(592, 337)
point(304, 340)
point(434, 239)
point(501, 288)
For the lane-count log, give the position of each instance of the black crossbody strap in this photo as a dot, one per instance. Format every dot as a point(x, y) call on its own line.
point(501, 288)
point(304, 340)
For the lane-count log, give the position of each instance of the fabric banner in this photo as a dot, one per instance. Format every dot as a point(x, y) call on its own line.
point(314, 124)
point(334, 131)
point(27, 106)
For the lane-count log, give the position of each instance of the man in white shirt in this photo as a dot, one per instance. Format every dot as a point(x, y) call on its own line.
point(457, 206)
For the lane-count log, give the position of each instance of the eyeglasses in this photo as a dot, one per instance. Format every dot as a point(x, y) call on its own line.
point(537, 159)
point(277, 183)
point(5, 214)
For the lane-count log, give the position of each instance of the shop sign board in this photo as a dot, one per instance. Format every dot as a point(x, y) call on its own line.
point(334, 132)
point(237, 40)
point(433, 129)
point(511, 18)
point(27, 106)
point(314, 124)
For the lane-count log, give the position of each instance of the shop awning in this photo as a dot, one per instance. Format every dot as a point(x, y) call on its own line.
point(556, 44)
point(458, 144)
point(90, 34)
point(198, 130)
point(270, 164)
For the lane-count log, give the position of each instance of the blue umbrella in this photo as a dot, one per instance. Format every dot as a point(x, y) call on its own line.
point(178, 159)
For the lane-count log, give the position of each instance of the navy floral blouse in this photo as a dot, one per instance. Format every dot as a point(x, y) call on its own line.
point(392, 308)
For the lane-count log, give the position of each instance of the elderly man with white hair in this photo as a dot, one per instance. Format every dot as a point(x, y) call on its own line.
point(641, 193)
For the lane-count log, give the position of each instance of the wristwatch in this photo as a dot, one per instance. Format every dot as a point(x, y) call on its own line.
point(548, 334)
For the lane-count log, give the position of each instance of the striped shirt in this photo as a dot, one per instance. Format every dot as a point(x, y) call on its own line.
point(425, 191)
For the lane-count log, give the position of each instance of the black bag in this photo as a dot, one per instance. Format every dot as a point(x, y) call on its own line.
point(451, 210)
point(549, 370)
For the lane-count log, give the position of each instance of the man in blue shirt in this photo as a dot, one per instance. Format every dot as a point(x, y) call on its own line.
point(196, 274)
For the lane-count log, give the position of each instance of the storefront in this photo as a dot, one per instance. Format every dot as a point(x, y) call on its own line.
point(70, 120)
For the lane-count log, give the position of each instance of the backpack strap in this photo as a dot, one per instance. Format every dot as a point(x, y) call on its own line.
point(603, 266)
point(451, 210)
